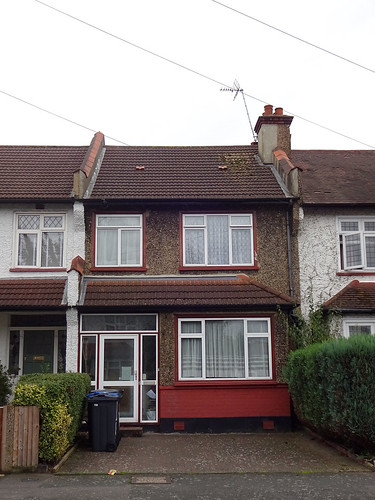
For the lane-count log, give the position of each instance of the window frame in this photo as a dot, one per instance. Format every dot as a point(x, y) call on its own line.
point(343, 237)
point(246, 335)
point(139, 228)
point(39, 244)
point(362, 321)
point(251, 264)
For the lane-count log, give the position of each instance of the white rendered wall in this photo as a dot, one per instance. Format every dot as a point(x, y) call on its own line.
point(74, 245)
point(318, 256)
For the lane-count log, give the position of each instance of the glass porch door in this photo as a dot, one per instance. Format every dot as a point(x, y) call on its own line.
point(38, 351)
point(119, 371)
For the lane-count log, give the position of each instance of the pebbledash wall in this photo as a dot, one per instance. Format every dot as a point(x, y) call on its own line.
point(74, 245)
point(318, 244)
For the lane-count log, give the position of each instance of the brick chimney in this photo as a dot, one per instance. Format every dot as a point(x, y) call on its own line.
point(273, 131)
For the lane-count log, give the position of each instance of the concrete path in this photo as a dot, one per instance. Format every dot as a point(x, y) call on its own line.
point(297, 452)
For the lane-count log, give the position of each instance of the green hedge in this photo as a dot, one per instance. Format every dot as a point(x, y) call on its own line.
point(61, 400)
point(332, 386)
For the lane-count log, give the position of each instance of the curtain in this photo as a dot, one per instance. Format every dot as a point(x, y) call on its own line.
point(194, 246)
point(130, 247)
point(106, 250)
point(241, 246)
point(217, 239)
point(370, 251)
point(224, 341)
point(191, 357)
point(27, 249)
point(258, 357)
point(52, 249)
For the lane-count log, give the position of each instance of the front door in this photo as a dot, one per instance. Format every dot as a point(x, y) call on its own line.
point(128, 363)
point(119, 371)
point(38, 351)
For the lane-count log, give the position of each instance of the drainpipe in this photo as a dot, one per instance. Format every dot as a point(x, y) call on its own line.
point(289, 250)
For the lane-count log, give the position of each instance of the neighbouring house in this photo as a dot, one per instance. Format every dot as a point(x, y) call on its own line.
point(42, 236)
point(160, 271)
point(337, 235)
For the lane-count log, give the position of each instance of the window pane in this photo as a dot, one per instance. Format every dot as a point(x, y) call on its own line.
point(257, 326)
point(241, 246)
point(370, 251)
point(14, 352)
point(349, 226)
point(61, 357)
point(370, 226)
point(191, 358)
point(53, 221)
point(225, 349)
point(107, 247)
point(353, 250)
point(149, 357)
point(123, 221)
point(258, 357)
point(52, 249)
point(118, 322)
point(240, 220)
point(27, 249)
point(359, 330)
point(217, 240)
point(191, 327)
point(194, 246)
point(28, 221)
point(149, 403)
point(130, 248)
point(194, 220)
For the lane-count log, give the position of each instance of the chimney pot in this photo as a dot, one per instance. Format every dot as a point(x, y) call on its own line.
point(268, 108)
point(279, 111)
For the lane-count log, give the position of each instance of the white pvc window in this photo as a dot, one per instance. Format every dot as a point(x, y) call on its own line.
point(220, 349)
point(357, 243)
point(218, 240)
point(119, 323)
point(359, 326)
point(119, 240)
point(40, 240)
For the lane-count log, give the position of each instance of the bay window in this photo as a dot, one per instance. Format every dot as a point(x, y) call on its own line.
point(357, 243)
point(119, 240)
point(219, 349)
point(218, 240)
point(40, 240)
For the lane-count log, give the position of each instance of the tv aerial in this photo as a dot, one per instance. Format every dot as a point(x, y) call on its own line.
point(238, 90)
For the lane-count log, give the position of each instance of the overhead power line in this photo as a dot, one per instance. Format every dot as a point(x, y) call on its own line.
point(192, 71)
point(57, 115)
point(295, 37)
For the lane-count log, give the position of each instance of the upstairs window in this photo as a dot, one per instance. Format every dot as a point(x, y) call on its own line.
point(40, 240)
point(218, 240)
point(119, 240)
point(357, 243)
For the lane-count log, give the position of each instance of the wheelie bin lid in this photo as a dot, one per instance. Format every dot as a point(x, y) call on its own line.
point(104, 394)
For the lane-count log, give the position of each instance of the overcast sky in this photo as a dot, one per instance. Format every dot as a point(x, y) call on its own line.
point(87, 76)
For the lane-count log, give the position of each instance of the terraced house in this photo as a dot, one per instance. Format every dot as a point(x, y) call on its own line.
point(158, 270)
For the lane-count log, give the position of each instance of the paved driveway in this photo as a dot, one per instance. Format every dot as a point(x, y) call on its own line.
point(297, 452)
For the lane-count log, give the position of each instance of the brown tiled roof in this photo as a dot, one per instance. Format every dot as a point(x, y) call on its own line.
point(236, 291)
point(356, 296)
point(336, 177)
point(191, 172)
point(38, 172)
point(31, 293)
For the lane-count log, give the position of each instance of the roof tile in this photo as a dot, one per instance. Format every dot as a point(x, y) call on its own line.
point(31, 293)
point(179, 292)
point(355, 296)
point(185, 172)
